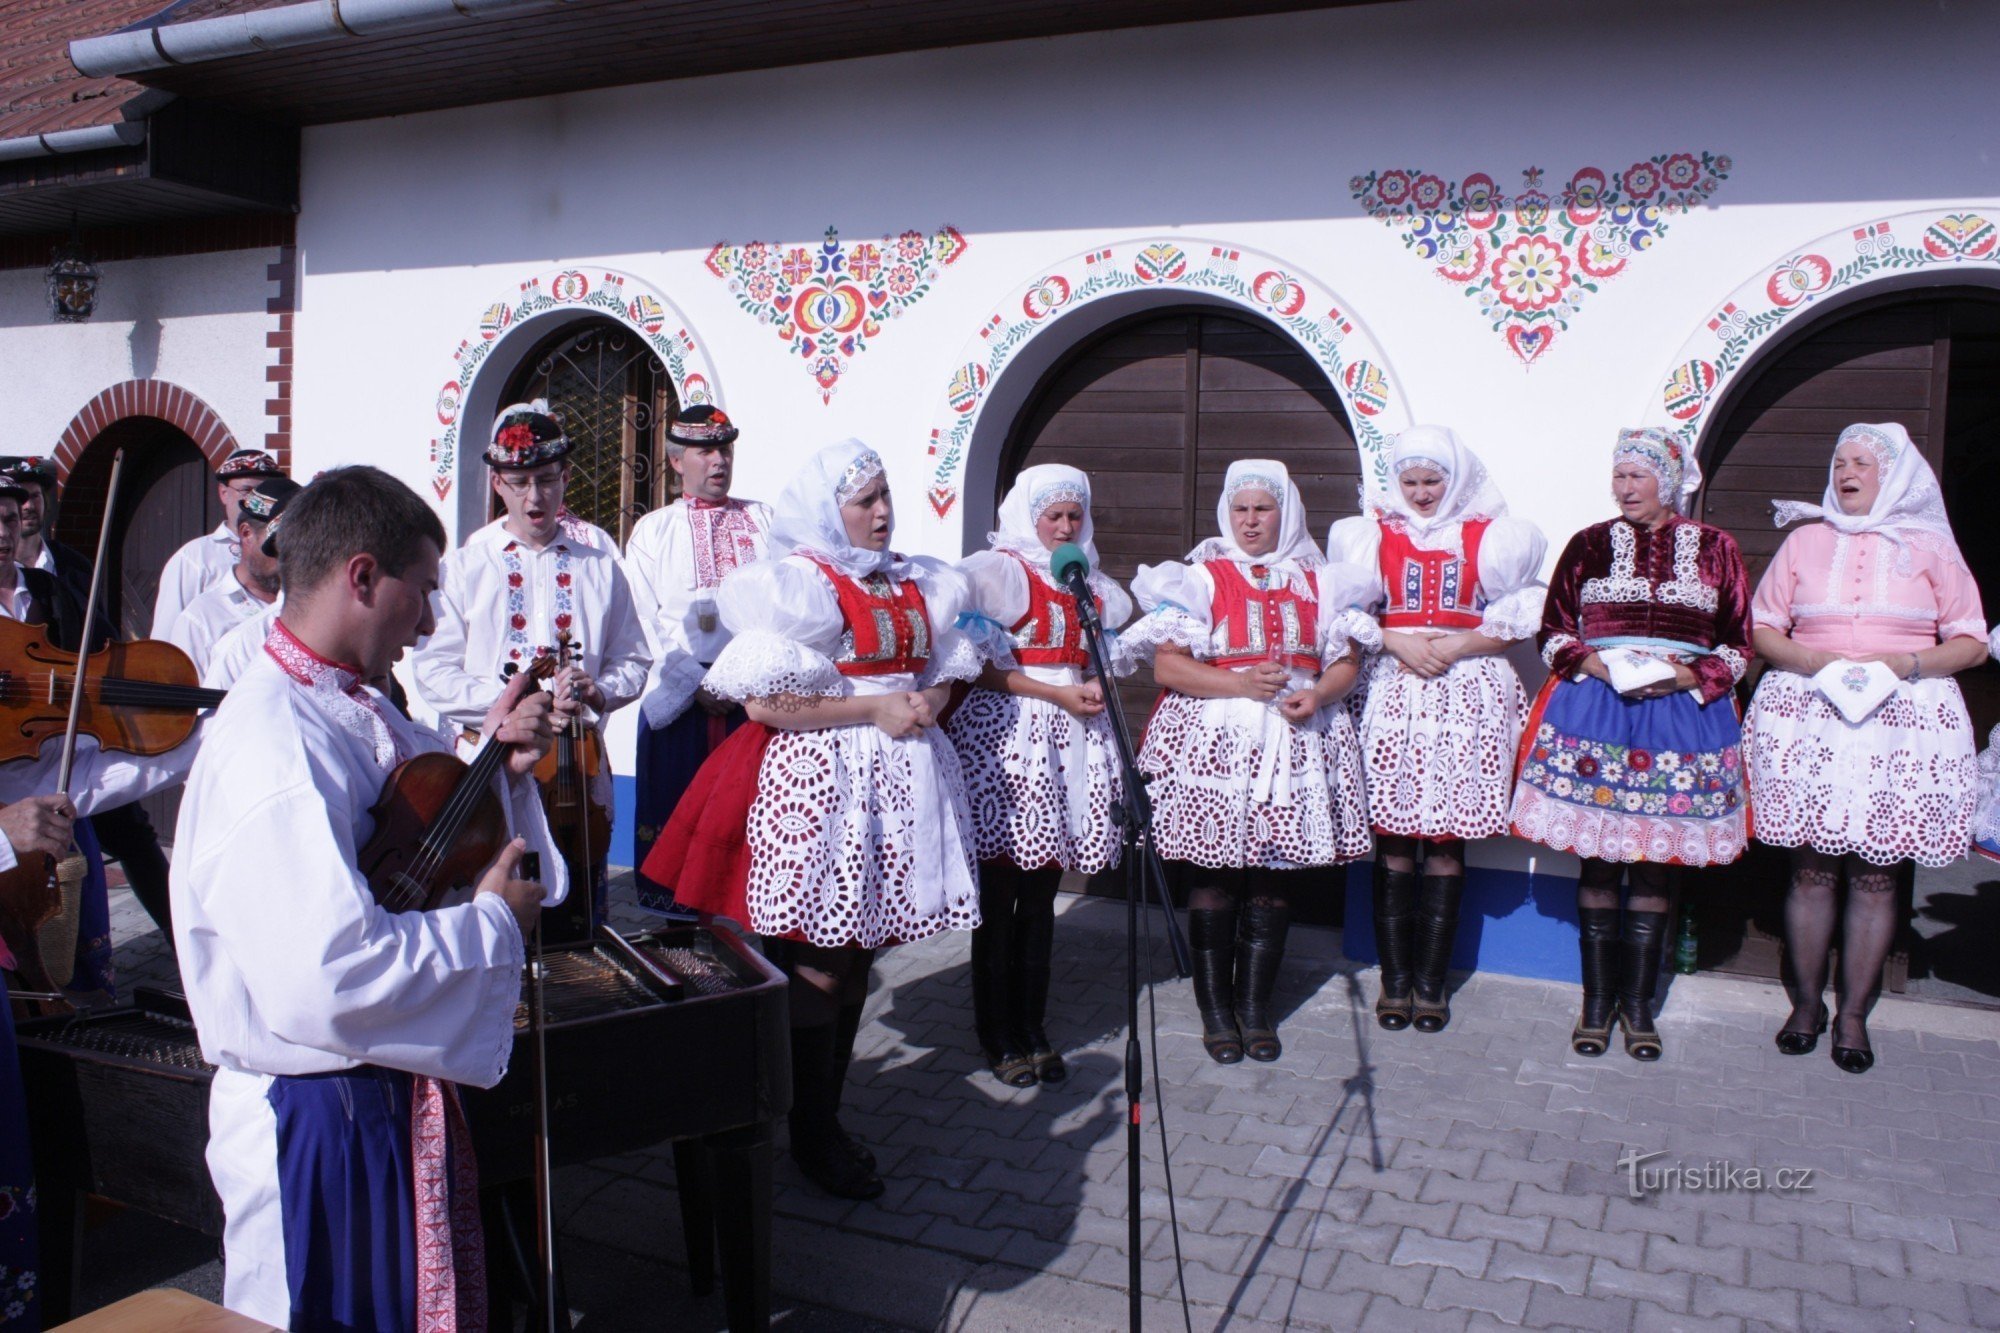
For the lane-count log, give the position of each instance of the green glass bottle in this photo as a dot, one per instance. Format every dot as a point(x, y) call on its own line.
point(1685, 943)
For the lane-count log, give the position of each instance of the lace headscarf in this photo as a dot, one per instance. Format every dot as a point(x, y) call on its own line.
point(1295, 551)
point(1666, 458)
point(1469, 491)
point(1908, 510)
point(1033, 492)
point(808, 519)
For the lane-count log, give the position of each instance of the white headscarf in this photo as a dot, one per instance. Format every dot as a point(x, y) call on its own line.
point(1033, 491)
point(1295, 551)
point(1908, 510)
point(807, 519)
point(1666, 458)
point(1468, 492)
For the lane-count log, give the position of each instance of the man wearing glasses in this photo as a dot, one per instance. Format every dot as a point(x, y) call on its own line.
point(527, 582)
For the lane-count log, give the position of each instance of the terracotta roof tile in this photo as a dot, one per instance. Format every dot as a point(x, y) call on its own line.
point(41, 92)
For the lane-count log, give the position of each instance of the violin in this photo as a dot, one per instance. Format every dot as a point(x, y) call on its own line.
point(579, 823)
point(438, 823)
point(141, 697)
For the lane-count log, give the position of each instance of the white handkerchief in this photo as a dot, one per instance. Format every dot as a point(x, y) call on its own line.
point(1631, 670)
point(1855, 688)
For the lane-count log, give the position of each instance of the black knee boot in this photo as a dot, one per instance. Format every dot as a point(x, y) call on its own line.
point(1597, 936)
point(815, 1118)
point(1640, 948)
point(1212, 942)
point(847, 1026)
point(1395, 919)
point(1034, 941)
point(1260, 948)
point(1437, 928)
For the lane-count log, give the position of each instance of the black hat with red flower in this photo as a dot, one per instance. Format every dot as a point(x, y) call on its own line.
point(29, 471)
point(526, 435)
point(248, 463)
point(702, 426)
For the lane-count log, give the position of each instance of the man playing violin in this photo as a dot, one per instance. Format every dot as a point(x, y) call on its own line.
point(338, 1027)
point(524, 585)
point(207, 559)
point(252, 585)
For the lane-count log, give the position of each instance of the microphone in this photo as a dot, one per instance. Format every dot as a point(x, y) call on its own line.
point(1069, 566)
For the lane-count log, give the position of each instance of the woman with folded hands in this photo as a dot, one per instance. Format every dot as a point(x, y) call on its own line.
point(1857, 745)
point(1631, 752)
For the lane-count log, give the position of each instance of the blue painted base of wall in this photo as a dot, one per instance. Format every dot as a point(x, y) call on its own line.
point(624, 813)
point(1510, 922)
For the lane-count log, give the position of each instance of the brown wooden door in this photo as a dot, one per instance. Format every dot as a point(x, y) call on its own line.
point(166, 498)
point(1930, 361)
point(1155, 409)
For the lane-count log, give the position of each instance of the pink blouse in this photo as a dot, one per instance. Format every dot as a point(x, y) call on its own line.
point(1843, 594)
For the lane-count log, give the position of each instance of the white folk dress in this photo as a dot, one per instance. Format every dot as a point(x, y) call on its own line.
point(1234, 784)
point(1439, 753)
point(1903, 782)
point(855, 838)
point(1042, 782)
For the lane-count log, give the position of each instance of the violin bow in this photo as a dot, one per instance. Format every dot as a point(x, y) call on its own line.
point(90, 606)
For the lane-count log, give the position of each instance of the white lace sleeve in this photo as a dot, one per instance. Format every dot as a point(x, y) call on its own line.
point(1510, 568)
point(786, 622)
point(758, 664)
point(1345, 590)
point(961, 643)
point(1176, 600)
point(1357, 541)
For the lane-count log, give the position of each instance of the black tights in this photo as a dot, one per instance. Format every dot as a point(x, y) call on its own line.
point(1597, 887)
point(824, 981)
point(1440, 856)
point(1222, 890)
point(1016, 905)
point(1868, 930)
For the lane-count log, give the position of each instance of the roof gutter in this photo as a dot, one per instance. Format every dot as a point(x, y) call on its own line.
point(317, 22)
point(89, 140)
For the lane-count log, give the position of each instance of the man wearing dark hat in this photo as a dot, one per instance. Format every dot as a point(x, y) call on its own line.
point(524, 585)
point(252, 585)
point(38, 548)
point(209, 558)
point(675, 559)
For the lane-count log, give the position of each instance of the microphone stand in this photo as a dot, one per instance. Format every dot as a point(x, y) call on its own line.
point(1145, 881)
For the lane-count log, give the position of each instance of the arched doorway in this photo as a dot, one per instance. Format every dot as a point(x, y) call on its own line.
point(611, 393)
point(1155, 407)
point(166, 498)
point(1928, 359)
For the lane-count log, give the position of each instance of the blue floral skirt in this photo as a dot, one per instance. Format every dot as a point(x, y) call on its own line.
point(1618, 779)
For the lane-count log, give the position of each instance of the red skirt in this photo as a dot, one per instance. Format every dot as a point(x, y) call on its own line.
point(703, 854)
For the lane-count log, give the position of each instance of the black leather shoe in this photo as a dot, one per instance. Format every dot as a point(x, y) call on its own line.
point(1212, 944)
point(1395, 921)
point(1260, 948)
point(1437, 927)
point(1791, 1041)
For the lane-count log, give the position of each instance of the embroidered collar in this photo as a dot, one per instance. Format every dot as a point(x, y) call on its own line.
point(337, 688)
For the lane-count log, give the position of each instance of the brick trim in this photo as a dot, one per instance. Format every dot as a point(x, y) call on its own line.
point(145, 398)
point(283, 302)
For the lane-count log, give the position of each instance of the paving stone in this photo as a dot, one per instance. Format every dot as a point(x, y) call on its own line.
point(1505, 1301)
point(1401, 1284)
point(1550, 1308)
point(1577, 1209)
point(1666, 1289)
point(1474, 1222)
point(1418, 1247)
point(1872, 1223)
point(1943, 1299)
point(1567, 1272)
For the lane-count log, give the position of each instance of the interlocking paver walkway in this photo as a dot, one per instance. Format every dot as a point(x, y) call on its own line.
point(1367, 1180)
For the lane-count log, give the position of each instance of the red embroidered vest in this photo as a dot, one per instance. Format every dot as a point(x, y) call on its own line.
point(1260, 625)
point(888, 625)
point(1049, 634)
point(1431, 589)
